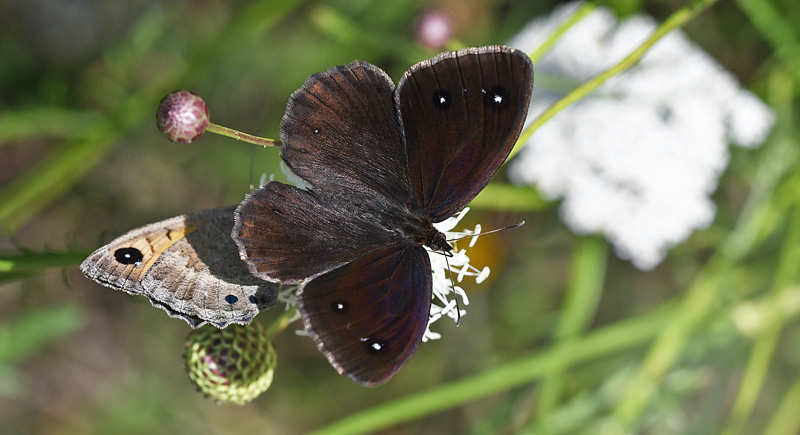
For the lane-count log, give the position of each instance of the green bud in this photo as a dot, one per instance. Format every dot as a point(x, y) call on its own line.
point(231, 365)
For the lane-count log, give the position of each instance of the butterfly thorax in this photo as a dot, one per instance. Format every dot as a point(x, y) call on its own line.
point(417, 228)
point(437, 241)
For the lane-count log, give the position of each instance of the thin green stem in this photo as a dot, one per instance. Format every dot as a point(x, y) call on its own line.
point(670, 342)
point(238, 135)
point(499, 196)
point(578, 14)
point(27, 194)
point(764, 348)
point(755, 223)
point(579, 308)
point(281, 322)
point(22, 124)
point(776, 30)
point(31, 262)
point(676, 20)
point(786, 276)
point(786, 420)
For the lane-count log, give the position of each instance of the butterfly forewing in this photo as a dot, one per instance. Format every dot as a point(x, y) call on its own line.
point(340, 133)
point(462, 113)
point(369, 316)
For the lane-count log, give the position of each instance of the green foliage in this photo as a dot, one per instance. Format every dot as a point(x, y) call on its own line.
point(568, 339)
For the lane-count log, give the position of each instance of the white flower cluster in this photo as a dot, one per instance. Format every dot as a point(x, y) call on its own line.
point(637, 159)
point(456, 266)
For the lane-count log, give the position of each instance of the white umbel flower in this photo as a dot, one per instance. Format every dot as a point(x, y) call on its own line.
point(636, 160)
point(457, 266)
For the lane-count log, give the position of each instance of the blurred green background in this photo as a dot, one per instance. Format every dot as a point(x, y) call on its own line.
point(707, 342)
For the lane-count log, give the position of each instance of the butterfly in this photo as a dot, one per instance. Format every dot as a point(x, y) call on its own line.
point(382, 164)
point(188, 266)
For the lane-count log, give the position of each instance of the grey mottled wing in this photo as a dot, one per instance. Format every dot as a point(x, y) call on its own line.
point(188, 266)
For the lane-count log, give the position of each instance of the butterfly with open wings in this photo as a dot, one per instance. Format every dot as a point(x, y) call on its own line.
point(383, 164)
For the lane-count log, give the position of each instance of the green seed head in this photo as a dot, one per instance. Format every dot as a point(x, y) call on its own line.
point(232, 365)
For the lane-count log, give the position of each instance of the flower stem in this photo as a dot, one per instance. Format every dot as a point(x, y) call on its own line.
point(785, 276)
point(754, 224)
point(608, 340)
point(676, 20)
point(35, 262)
point(580, 306)
point(774, 320)
point(281, 322)
point(776, 30)
point(579, 13)
point(238, 135)
point(786, 420)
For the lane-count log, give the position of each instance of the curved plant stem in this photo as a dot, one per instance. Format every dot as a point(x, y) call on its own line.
point(281, 322)
point(676, 20)
point(608, 340)
point(578, 14)
point(35, 261)
point(500, 196)
point(786, 420)
point(579, 308)
point(776, 30)
point(238, 135)
point(786, 275)
point(756, 220)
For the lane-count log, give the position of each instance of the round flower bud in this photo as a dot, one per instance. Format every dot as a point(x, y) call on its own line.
point(232, 365)
point(182, 116)
point(434, 29)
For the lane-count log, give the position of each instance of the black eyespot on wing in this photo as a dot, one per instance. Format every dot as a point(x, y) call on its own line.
point(339, 307)
point(129, 256)
point(496, 98)
point(442, 99)
point(374, 346)
point(253, 299)
point(231, 299)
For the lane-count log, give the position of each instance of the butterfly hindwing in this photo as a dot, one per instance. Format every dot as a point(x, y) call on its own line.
point(369, 316)
point(287, 234)
point(461, 114)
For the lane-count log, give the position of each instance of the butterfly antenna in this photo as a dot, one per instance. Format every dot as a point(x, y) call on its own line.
point(455, 295)
point(488, 232)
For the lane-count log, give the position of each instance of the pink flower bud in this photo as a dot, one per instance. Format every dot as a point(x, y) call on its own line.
point(434, 29)
point(182, 116)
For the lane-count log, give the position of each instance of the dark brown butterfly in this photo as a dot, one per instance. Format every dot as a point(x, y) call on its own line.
point(384, 164)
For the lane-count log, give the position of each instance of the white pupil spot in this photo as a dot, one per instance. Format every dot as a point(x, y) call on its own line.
point(376, 346)
point(442, 100)
point(498, 98)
